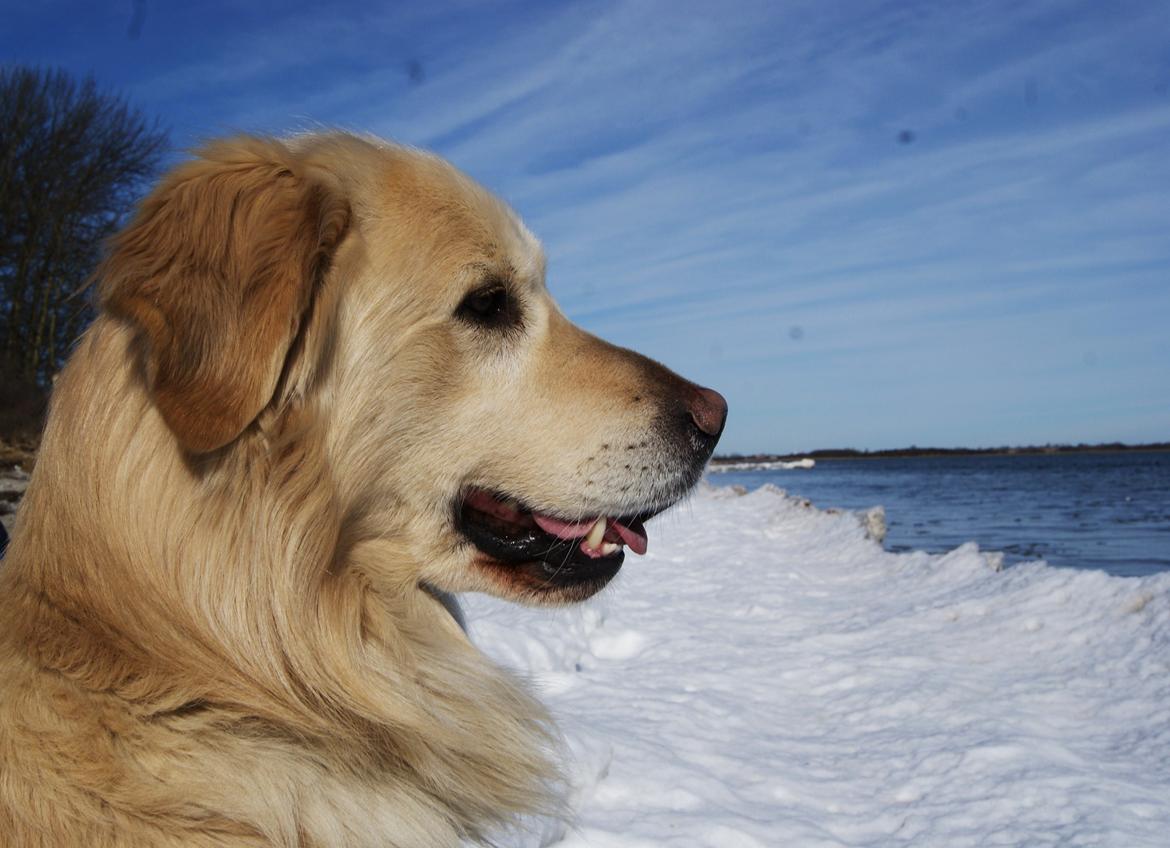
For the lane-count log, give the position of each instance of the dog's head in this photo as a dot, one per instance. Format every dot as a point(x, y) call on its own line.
point(398, 313)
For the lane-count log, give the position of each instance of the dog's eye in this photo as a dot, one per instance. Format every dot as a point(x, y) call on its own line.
point(490, 306)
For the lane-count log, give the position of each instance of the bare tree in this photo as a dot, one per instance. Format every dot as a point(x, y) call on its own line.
point(73, 160)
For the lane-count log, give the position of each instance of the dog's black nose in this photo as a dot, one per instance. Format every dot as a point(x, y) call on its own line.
point(708, 410)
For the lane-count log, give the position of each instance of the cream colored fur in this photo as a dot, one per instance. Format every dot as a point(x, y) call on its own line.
point(218, 614)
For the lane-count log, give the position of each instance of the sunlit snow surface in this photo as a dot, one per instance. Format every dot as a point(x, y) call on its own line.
point(768, 676)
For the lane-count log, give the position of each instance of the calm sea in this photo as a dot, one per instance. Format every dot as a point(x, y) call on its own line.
point(1089, 510)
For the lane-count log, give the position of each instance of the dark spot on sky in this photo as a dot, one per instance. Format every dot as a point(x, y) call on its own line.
point(796, 332)
point(137, 19)
point(906, 137)
point(415, 72)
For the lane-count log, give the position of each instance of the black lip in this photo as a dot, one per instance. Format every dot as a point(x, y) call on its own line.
point(533, 545)
point(558, 562)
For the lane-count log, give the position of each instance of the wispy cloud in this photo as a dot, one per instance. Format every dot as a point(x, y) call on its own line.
point(869, 224)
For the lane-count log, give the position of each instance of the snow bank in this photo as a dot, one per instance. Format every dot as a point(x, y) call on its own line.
point(774, 465)
point(769, 676)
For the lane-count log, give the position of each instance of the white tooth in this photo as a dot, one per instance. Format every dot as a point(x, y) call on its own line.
point(595, 536)
point(610, 548)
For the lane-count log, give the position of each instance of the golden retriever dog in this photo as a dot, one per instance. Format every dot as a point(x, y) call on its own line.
point(326, 389)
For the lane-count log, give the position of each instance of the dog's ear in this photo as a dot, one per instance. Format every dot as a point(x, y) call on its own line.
point(216, 272)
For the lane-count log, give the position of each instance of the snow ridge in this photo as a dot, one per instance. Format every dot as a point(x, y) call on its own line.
point(769, 676)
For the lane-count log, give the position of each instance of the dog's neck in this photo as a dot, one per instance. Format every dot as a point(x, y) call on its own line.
point(151, 580)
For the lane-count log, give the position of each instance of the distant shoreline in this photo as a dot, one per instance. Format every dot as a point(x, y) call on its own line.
point(915, 452)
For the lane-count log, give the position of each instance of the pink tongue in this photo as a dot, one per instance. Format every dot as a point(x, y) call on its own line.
point(562, 529)
point(580, 529)
point(636, 540)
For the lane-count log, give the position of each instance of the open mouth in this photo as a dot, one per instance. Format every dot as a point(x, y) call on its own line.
point(554, 549)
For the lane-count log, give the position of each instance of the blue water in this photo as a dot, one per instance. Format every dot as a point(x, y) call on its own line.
point(1109, 511)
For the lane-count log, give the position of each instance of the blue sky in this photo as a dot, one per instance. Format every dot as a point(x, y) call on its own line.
point(867, 224)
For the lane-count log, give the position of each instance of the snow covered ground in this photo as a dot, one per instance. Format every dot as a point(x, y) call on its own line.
point(768, 676)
